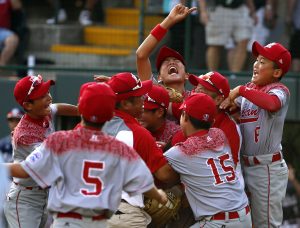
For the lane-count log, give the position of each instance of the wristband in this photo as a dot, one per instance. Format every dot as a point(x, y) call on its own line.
point(158, 32)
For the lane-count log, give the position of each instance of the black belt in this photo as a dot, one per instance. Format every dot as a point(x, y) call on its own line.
point(119, 213)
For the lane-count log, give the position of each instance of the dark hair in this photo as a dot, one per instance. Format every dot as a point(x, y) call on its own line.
point(198, 124)
point(91, 124)
point(155, 109)
point(118, 103)
point(29, 101)
point(276, 67)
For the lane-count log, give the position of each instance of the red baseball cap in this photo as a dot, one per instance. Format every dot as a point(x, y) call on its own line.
point(97, 102)
point(212, 81)
point(274, 52)
point(31, 88)
point(166, 52)
point(200, 106)
point(127, 85)
point(158, 97)
point(84, 86)
point(15, 113)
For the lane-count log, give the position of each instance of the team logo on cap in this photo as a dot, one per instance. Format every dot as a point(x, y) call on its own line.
point(93, 118)
point(206, 76)
point(205, 117)
point(37, 79)
point(270, 45)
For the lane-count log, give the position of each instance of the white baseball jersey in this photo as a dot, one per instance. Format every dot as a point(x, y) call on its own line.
point(87, 171)
point(27, 136)
point(204, 162)
point(262, 130)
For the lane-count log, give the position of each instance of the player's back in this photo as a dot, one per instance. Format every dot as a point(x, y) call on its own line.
point(90, 170)
point(207, 170)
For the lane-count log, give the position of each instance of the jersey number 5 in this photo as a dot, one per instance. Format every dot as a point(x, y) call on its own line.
point(229, 170)
point(90, 179)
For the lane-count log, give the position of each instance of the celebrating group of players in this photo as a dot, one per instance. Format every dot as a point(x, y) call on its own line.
point(138, 136)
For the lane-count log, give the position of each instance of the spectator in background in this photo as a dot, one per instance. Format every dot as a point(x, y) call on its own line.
point(13, 118)
point(293, 21)
point(224, 20)
point(8, 39)
point(85, 16)
point(266, 19)
point(291, 215)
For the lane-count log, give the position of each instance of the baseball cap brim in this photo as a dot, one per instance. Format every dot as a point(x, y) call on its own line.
point(166, 52)
point(195, 80)
point(151, 105)
point(146, 87)
point(41, 90)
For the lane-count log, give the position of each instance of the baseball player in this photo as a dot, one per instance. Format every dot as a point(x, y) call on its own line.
point(170, 64)
point(204, 162)
point(154, 119)
point(13, 117)
point(217, 87)
point(124, 126)
point(26, 201)
point(86, 168)
point(264, 104)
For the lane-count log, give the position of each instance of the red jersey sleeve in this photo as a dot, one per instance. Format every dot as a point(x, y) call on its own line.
point(263, 100)
point(146, 146)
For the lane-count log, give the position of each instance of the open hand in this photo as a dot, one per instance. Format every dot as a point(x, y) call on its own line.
point(180, 12)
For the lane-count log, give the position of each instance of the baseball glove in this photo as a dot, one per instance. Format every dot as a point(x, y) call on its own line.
point(175, 96)
point(162, 214)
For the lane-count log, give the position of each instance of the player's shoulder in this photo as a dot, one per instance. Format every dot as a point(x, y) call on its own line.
point(83, 140)
point(276, 86)
point(140, 132)
point(26, 133)
point(213, 140)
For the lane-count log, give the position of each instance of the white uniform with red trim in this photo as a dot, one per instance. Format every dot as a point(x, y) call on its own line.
point(265, 171)
point(215, 194)
point(87, 171)
point(26, 201)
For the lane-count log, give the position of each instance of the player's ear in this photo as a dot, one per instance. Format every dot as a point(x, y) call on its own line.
point(27, 105)
point(160, 112)
point(184, 116)
point(277, 73)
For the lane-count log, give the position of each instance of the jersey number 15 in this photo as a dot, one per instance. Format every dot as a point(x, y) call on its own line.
point(228, 169)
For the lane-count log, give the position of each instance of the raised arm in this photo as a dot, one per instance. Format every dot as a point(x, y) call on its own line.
point(178, 13)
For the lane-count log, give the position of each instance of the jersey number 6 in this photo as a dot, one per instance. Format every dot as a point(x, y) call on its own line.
point(228, 170)
point(90, 179)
